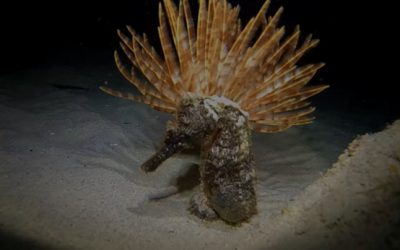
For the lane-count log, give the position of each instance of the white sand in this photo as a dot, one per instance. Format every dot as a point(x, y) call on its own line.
point(70, 178)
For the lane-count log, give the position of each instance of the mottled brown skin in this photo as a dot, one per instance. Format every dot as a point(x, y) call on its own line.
point(227, 169)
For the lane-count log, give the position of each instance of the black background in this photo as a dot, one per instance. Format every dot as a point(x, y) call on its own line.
point(356, 39)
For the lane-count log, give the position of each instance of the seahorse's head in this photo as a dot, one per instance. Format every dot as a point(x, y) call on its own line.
point(196, 117)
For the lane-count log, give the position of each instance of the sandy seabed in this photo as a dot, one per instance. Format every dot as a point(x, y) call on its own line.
point(70, 178)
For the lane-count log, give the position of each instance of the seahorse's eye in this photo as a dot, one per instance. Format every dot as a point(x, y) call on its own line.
point(185, 120)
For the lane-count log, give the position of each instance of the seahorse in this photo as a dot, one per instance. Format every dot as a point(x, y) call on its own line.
point(221, 80)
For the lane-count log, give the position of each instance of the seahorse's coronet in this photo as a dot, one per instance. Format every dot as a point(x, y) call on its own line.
point(215, 103)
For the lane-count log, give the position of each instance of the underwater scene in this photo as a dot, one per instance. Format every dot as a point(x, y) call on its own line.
point(207, 124)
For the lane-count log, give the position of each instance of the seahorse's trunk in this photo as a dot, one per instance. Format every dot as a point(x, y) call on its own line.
point(227, 171)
